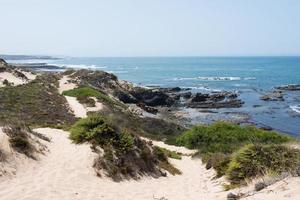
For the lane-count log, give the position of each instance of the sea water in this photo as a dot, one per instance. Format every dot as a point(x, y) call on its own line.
point(251, 77)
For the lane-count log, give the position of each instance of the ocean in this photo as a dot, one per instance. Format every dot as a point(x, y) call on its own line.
point(251, 77)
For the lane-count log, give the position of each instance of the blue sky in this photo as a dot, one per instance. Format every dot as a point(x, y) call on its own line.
point(150, 27)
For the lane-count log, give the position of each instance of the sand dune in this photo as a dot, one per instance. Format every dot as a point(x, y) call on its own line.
point(11, 78)
point(67, 173)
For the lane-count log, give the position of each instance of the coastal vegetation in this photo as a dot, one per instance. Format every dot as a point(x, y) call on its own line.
point(83, 94)
point(241, 152)
point(36, 103)
point(23, 140)
point(125, 154)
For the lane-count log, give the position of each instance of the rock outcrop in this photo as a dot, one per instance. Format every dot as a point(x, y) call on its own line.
point(215, 100)
point(290, 87)
point(273, 96)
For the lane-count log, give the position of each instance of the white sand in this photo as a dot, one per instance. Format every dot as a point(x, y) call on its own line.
point(77, 108)
point(286, 189)
point(98, 106)
point(66, 173)
point(29, 75)
point(177, 149)
point(11, 78)
point(64, 84)
point(14, 79)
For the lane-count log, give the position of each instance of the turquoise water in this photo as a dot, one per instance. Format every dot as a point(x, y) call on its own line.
point(250, 76)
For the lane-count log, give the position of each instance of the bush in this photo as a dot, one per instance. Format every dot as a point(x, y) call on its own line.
point(256, 160)
point(224, 137)
point(219, 145)
point(125, 154)
point(219, 162)
point(83, 92)
point(92, 129)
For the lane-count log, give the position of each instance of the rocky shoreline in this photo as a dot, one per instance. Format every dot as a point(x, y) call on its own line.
point(175, 103)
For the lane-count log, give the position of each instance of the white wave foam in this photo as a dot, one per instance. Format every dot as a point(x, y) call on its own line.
point(200, 88)
point(118, 72)
point(296, 108)
point(74, 66)
point(214, 78)
point(224, 78)
point(250, 78)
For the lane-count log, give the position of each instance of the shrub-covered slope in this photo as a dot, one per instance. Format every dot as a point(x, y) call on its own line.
point(124, 154)
point(241, 152)
point(36, 103)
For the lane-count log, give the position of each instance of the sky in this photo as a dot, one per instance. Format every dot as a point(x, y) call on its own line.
point(150, 27)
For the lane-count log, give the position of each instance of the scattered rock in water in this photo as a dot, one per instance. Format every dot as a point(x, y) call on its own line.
point(290, 87)
point(186, 95)
point(215, 100)
point(273, 96)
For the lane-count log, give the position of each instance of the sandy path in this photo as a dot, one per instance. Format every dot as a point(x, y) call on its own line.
point(64, 84)
point(67, 173)
point(78, 109)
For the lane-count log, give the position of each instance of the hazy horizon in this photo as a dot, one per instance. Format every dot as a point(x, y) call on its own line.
point(131, 28)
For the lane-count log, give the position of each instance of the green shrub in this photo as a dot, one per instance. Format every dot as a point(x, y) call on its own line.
point(219, 162)
point(92, 129)
point(217, 143)
point(83, 91)
point(224, 137)
point(126, 142)
point(256, 160)
point(125, 154)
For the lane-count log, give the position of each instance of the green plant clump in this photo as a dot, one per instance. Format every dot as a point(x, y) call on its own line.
point(257, 160)
point(125, 154)
point(224, 137)
point(219, 145)
point(83, 91)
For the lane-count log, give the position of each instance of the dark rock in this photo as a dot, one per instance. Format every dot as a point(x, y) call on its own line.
point(147, 108)
point(152, 97)
point(170, 90)
point(186, 95)
point(273, 96)
point(290, 87)
point(125, 96)
point(215, 100)
point(266, 128)
point(199, 97)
